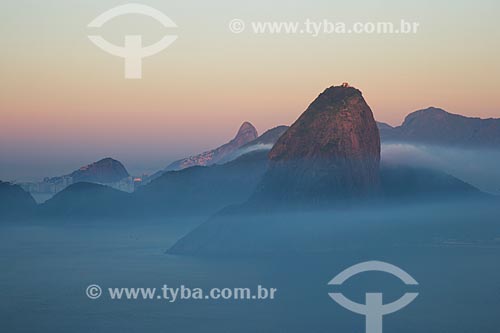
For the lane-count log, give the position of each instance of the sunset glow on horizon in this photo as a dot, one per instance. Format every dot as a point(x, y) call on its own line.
point(64, 103)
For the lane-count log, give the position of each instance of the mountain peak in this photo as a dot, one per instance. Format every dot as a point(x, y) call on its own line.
point(333, 149)
point(106, 170)
point(246, 133)
point(107, 160)
point(430, 112)
point(332, 123)
point(334, 95)
point(434, 109)
point(246, 126)
point(340, 92)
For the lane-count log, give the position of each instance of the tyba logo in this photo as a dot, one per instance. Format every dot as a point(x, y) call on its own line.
point(374, 309)
point(133, 52)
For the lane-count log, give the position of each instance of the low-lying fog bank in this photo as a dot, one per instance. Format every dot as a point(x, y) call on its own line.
point(478, 167)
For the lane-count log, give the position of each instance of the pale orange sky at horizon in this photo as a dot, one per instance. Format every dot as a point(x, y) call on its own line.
point(63, 101)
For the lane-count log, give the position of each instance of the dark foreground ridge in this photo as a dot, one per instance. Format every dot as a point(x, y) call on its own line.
point(15, 203)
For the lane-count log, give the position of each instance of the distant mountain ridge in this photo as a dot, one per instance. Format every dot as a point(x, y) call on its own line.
point(265, 141)
point(106, 171)
point(330, 153)
point(269, 137)
point(198, 190)
point(246, 133)
point(439, 127)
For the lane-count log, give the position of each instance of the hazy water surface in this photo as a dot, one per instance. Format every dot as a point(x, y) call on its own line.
point(45, 270)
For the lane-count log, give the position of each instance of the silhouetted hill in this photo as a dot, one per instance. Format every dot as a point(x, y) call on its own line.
point(403, 182)
point(15, 203)
point(191, 191)
point(438, 127)
point(387, 132)
point(87, 200)
point(201, 190)
point(384, 126)
point(105, 171)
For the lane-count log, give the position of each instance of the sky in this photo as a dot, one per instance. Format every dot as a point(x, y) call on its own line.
point(65, 103)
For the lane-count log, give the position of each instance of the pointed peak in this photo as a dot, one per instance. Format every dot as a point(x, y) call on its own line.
point(247, 128)
point(246, 125)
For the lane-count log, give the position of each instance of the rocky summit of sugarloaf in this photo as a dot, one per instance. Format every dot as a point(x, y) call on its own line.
point(332, 150)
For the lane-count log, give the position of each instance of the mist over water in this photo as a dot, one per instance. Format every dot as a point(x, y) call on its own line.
point(452, 250)
point(478, 167)
point(449, 245)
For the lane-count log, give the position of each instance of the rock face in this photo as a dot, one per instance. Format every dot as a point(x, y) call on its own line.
point(104, 171)
point(246, 133)
point(332, 150)
point(438, 127)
